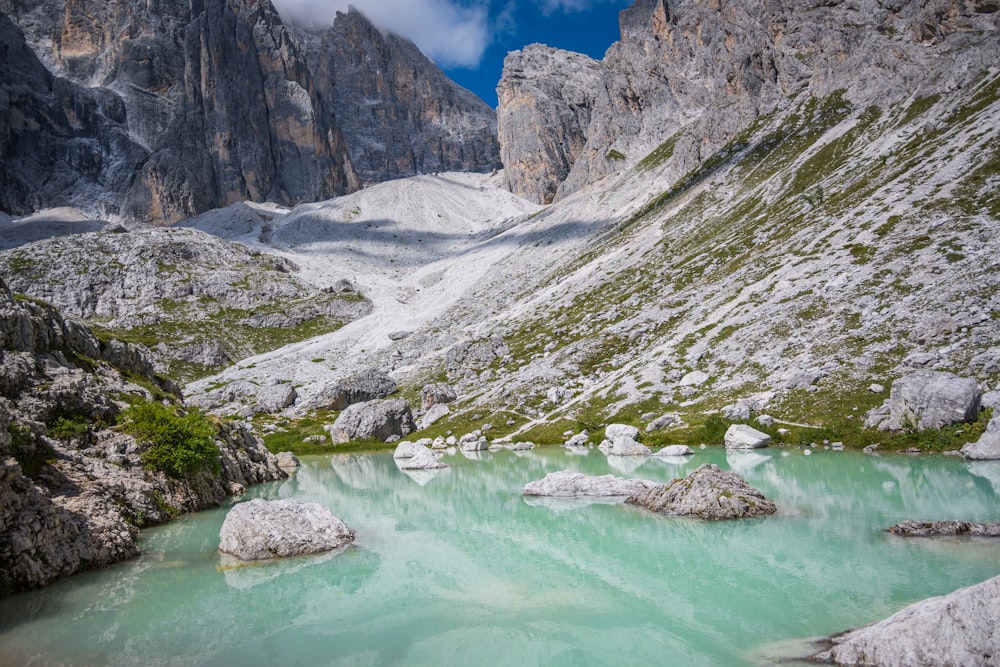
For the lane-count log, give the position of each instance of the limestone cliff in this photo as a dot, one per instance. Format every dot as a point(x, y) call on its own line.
point(401, 115)
point(699, 73)
point(73, 490)
point(215, 92)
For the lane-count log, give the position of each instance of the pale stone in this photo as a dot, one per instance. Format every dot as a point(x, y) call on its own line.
point(742, 436)
point(566, 483)
point(264, 529)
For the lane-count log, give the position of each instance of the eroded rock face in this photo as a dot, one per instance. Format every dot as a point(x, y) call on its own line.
point(566, 483)
point(75, 501)
point(707, 493)
point(265, 529)
point(954, 629)
point(400, 114)
point(436, 394)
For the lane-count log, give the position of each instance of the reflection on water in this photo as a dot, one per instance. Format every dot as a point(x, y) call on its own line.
point(459, 568)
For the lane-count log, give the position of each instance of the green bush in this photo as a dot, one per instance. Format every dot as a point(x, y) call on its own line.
point(180, 444)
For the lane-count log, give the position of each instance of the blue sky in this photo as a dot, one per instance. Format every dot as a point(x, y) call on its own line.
point(469, 40)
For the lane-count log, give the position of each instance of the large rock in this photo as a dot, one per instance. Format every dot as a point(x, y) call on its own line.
point(75, 502)
point(373, 420)
point(626, 446)
point(420, 459)
point(365, 386)
point(944, 529)
point(264, 529)
point(613, 431)
point(987, 448)
point(707, 493)
point(566, 483)
point(438, 411)
point(932, 399)
point(954, 629)
point(742, 436)
point(437, 393)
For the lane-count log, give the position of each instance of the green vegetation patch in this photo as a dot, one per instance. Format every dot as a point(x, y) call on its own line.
point(181, 444)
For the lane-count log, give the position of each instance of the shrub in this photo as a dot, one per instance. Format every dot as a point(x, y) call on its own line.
point(180, 443)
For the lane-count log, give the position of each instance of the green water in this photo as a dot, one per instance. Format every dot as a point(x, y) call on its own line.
point(459, 569)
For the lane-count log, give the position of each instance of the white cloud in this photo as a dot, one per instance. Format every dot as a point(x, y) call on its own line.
point(568, 6)
point(450, 33)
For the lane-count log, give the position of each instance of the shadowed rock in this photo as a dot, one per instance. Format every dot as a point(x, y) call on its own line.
point(373, 420)
point(365, 386)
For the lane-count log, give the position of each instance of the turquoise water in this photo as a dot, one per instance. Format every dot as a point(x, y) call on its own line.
point(459, 569)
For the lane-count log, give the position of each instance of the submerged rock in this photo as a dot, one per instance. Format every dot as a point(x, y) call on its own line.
point(944, 529)
point(569, 484)
point(954, 629)
point(707, 493)
point(264, 529)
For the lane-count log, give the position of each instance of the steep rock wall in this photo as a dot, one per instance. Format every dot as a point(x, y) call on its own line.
point(710, 69)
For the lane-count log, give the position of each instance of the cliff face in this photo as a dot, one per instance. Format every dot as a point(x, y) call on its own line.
point(156, 111)
point(401, 115)
point(214, 91)
point(710, 69)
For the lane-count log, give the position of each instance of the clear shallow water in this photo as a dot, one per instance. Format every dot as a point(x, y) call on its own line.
point(460, 569)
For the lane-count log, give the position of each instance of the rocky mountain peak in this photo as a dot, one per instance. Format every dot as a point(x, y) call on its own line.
point(401, 115)
point(712, 69)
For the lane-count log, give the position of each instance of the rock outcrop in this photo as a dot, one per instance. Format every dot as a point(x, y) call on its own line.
point(264, 529)
point(570, 484)
point(954, 629)
point(944, 529)
point(987, 448)
point(399, 113)
point(74, 492)
point(373, 420)
point(436, 394)
point(208, 301)
point(707, 493)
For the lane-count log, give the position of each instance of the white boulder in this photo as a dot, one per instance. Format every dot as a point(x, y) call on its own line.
point(264, 529)
point(742, 436)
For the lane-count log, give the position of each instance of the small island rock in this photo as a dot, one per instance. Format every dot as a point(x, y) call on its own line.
point(287, 460)
point(675, 450)
point(264, 529)
point(707, 493)
point(569, 484)
point(944, 529)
